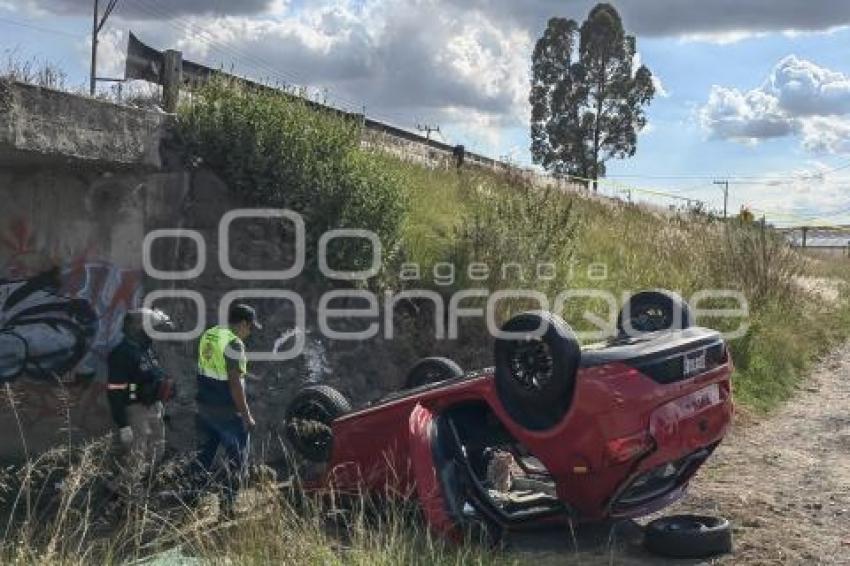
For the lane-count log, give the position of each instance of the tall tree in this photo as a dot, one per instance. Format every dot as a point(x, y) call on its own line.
point(587, 99)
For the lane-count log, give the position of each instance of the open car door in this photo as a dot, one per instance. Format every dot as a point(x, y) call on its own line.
point(437, 481)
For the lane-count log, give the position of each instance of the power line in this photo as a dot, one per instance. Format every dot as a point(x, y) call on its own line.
point(786, 216)
point(237, 55)
point(39, 28)
point(811, 175)
point(185, 27)
point(108, 12)
point(839, 168)
point(97, 25)
point(289, 76)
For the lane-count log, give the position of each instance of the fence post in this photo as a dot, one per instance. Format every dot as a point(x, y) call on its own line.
point(172, 76)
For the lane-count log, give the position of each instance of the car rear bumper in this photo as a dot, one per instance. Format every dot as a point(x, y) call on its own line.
point(658, 487)
point(685, 432)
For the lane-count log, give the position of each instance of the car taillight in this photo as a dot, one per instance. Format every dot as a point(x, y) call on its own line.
point(621, 450)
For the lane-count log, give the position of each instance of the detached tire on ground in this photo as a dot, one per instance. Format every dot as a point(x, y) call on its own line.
point(535, 373)
point(651, 311)
point(432, 370)
point(688, 536)
point(308, 419)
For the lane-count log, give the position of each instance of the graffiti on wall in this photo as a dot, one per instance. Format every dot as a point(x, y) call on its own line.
point(110, 291)
point(58, 321)
point(43, 334)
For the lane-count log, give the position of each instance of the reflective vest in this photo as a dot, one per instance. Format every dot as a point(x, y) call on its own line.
point(212, 366)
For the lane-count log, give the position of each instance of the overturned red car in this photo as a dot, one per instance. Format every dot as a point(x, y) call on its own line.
point(611, 430)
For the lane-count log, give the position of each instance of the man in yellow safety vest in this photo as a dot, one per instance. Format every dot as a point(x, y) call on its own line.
point(223, 418)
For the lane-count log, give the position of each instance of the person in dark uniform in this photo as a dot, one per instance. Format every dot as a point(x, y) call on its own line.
point(137, 386)
point(223, 417)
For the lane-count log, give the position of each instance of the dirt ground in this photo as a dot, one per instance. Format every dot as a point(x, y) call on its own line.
point(783, 482)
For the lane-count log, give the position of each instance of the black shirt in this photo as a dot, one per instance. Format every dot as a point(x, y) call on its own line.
point(132, 363)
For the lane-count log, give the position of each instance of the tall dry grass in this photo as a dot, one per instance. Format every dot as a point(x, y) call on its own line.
point(476, 216)
point(15, 67)
point(80, 505)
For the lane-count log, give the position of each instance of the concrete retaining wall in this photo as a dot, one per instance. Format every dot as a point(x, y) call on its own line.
point(73, 185)
point(82, 182)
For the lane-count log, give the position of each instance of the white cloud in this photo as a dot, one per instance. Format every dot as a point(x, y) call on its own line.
point(483, 132)
point(111, 53)
point(744, 116)
point(804, 195)
point(826, 134)
point(659, 87)
point(637, 61)
point(806, 89)
point(721, 37)
point(798, 98)
point(404, 63)
point(828, 30)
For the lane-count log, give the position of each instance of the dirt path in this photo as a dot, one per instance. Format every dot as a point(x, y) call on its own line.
point(783, 482)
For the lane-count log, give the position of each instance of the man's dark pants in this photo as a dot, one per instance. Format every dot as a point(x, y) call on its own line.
point(222, 427)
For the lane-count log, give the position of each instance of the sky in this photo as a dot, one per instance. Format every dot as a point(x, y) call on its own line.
point(756, 92)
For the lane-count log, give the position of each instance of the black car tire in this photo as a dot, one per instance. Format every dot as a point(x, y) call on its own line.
point(535, 377)
point(651, 311)
point(688, 536)
point(308, 419)
point(432, 370)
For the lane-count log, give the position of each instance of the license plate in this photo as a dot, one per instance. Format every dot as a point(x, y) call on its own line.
point(699, 400)
point(695, 363)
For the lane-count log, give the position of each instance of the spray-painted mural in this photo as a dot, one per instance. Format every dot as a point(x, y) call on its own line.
point(59, 317)
point(43, 334)
point(110, 292)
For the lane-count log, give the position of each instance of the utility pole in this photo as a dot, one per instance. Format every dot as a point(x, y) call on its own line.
point(725, 185)
point(428, 130)
point(93, 74)
point(97, 25)
point(172, 79)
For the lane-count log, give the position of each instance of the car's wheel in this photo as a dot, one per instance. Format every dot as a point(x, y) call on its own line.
point(308, 419)
point(432, 370)
point(651, 311)
point(688, 536)
point(535, 373)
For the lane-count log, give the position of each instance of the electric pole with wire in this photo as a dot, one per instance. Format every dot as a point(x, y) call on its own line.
point(725, 185)
point(97, 25)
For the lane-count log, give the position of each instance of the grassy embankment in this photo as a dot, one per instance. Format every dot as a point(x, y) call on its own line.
point(278, 153)
point(790, 326)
